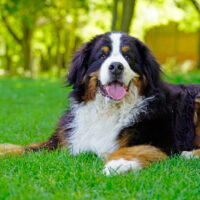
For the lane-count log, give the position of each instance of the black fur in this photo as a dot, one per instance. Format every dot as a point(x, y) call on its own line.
point(80, 68)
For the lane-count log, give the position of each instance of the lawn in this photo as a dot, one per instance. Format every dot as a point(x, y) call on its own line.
point(29, 110)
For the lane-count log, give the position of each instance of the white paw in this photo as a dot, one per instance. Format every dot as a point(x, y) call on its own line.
point(188, 154)
point(120, 166)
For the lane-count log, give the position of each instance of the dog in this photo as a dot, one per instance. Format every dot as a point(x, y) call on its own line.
point(121, 109)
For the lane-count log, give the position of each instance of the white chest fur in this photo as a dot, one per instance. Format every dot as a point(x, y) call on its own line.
point(97, 124)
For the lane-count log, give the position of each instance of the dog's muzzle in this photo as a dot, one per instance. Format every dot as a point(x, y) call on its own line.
point(114, 90)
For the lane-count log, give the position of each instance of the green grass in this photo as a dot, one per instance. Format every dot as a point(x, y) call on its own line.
point(29, 110)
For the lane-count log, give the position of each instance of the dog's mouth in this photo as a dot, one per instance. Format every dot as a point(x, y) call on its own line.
point(115, 90)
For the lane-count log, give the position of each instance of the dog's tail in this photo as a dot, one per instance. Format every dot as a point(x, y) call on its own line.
point(6, 149)
point(11, 149)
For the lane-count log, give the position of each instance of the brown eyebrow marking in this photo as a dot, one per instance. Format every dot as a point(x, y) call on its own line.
point(125, 49)
point(105, 49)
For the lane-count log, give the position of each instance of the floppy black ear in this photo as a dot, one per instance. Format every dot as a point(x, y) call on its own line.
point(150, 67)
point(79, 65)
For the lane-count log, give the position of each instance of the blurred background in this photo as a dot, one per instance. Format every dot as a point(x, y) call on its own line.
point(39, 37)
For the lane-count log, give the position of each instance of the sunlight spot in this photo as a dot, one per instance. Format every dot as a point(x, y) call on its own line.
point(2, 72)
point(69, 18)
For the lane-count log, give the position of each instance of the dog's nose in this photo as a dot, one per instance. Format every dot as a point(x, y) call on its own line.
point(116, 68)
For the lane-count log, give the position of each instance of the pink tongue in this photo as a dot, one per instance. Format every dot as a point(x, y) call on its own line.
point(115, 91)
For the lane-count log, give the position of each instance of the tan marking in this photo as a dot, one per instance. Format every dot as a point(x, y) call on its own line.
point(145, 154)
point(197, 111)
point(125, 49)
point(195, 118)
point(198, 129)
point(197, 121)
point(11, 149)
point(84, 79)
point(197, 152)
point(91, 88)
point(36, 145)
point(123, 141)
point(140, 84)
point(197, 141)
point(197, 100)
point(5, 147)
point(61, 134)
point(94, 74)
point(105, 49)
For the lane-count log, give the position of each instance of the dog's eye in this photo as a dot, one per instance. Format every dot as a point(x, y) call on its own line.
point(102, 56)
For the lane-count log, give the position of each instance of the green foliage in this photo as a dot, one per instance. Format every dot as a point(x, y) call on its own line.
point(47, 32)
point(40, 36)
point(154, 13)
point(29, 112)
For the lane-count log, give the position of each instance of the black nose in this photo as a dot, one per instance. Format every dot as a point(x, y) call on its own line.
point(116, 68)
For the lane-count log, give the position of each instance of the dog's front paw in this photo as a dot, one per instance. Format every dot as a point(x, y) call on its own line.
point(189, 154)
point(120, 166)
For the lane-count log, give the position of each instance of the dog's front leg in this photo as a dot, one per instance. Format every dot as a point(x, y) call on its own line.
point(132, 158)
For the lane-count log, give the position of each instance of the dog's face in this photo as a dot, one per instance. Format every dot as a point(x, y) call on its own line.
point(115, 74)
point(109, 64)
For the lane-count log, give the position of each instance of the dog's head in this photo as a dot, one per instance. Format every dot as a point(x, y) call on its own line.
point(109, 64)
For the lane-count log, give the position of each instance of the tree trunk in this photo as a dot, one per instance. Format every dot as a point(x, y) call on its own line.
point(114, 17)
point(197, 7)
point(8, 60)
point(198, 64)
point(67, 53)
point(58, 54)
point(26, 49)
point(49, 58)
point(25, 43)
point(128, 11)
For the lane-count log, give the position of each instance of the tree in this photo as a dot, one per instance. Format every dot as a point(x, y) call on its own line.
point(114, 15)
point(122, 21)
point(23, 14)
point(197, 7)
point(128, 12)
point(40, 36)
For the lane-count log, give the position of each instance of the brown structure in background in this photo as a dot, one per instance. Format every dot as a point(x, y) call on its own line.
point(169, 42)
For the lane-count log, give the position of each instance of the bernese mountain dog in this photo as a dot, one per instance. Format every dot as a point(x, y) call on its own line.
point(121, 109)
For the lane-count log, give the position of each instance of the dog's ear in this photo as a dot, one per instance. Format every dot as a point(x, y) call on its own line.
point(79, 65)
point(150, 67)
